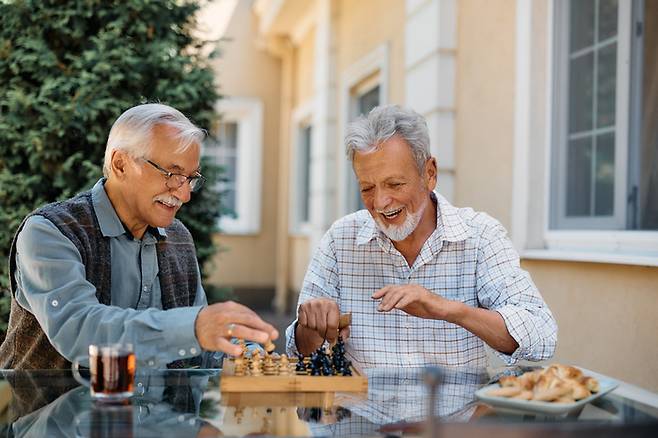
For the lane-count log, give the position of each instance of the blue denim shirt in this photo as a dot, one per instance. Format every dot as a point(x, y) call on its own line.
point(52, 285)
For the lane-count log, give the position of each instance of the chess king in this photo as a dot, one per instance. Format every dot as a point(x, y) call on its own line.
point(426, 282)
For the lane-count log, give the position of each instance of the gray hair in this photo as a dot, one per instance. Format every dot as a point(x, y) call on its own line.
point(368, 132)
point(133, 130)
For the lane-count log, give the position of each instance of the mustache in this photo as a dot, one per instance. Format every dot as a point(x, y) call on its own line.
point(169, 199)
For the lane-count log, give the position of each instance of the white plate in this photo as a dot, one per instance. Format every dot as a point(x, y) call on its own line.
point(605, 385)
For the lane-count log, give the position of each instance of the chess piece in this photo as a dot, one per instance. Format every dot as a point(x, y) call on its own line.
point(269, 346)
point(256, 366)
point(269, 367)
point(300, 368)
point(284, 366)
point(239, 366)
point(243, 346)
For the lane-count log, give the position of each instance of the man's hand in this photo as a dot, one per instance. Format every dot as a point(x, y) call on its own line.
point(317, 320)
point(414, 300)
point(218, 323)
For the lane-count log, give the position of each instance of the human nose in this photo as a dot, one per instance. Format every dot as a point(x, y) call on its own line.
point(381, 199)
point(183, 192)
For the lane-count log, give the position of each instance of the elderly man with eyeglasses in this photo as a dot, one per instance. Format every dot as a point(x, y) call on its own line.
point(113, 265)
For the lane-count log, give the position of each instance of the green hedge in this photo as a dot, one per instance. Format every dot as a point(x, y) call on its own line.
point(68, 69)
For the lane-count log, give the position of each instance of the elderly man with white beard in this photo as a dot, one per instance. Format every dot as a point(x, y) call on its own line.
point(425, 282)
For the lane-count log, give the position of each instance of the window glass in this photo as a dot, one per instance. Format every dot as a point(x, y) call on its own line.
point(224, 152)
point(304, 174)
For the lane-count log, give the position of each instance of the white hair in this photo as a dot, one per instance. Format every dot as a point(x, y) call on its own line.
point(133, 130)
point(383, 122)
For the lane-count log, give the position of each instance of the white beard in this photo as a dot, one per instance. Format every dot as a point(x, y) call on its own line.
point(399, 233)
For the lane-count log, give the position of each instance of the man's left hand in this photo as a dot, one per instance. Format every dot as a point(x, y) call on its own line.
point(414, 300)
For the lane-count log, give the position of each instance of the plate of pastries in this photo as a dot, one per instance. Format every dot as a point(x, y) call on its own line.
point(555, 389)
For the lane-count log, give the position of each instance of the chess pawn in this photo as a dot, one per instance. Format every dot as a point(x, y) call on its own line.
point(301, 368)
point(269, 367)
point(255, 366)
point(284, 366)
point(243, 346)
point(255, 356)
point(239, 366)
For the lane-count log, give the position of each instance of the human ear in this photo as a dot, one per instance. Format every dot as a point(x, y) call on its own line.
point(119, 163)
point(431, 172)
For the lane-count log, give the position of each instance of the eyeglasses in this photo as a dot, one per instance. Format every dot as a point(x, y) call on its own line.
point(176, 180)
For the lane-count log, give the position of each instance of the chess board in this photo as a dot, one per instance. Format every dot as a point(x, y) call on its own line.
point(229, 382)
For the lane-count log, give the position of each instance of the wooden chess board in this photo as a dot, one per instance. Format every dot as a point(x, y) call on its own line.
point(229, 382)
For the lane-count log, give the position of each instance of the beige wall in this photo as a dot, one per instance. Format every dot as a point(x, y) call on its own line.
point(484, 127)
point(366, 24)
point(606, 316)
point(257, 76)
point(303, 69)
point(299, 257)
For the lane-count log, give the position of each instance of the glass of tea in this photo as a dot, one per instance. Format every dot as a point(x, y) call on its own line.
point(111, 371)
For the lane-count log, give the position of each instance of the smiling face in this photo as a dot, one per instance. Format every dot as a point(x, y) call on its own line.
point(139, 191)
point(393, 190)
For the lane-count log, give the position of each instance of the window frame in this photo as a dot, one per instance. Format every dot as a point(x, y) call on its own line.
point(247, 113)
point(531, 204)
point(369, 71)
point(302, 117)
point(559, 221)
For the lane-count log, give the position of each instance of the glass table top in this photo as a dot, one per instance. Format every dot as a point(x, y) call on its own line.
point(398, 402)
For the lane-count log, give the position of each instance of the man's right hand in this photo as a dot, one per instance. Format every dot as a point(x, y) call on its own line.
point(317, 320)
point(218, 323)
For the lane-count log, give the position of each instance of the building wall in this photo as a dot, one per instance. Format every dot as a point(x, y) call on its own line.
point(258, 76)
point(606, 316)
point(363, 26)
point(484, 128)
point(304, 58)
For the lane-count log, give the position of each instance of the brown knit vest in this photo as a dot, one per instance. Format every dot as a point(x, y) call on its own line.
point(26, 346)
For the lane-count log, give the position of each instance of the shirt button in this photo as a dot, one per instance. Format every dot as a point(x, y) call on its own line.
point(145, 289)
point(193, 350)
point(55, 303)
point(181, 352)
point(151, 363)
point(140, 384)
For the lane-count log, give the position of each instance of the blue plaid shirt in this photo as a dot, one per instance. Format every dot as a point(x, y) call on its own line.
point(468, 258)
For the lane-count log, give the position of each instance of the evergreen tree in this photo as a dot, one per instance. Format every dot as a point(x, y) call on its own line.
point(68, 69)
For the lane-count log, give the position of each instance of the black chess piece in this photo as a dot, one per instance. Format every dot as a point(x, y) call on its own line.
point(301, 366)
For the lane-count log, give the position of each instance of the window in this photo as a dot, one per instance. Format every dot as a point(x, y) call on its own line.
point(224, 152)
point(304, 176)
point(300, 169)
point(365, 97)
point(236, 145)
point(604, 172)
point(364, 85)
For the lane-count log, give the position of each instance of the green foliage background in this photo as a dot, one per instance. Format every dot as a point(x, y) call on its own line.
point(68, 69)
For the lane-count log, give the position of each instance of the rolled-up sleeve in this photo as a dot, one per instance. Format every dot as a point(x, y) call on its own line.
point(52, 285)
point(506, 288)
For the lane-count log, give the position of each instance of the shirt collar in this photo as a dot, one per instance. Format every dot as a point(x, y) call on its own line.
point(450, 226)
point(111, 225)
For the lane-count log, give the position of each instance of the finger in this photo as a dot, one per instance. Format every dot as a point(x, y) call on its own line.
point(249, 320)
point(404, 302)
point(332, 321)
point(311, 321)
point(227, 347)
point(344, 333)
point(302, 318)
point(380, 293)
point(249, 334)
point(390, 300)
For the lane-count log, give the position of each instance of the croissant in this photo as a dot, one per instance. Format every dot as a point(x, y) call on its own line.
point(556, 383)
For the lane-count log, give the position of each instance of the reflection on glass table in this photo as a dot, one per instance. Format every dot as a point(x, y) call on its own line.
point(189, 403)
